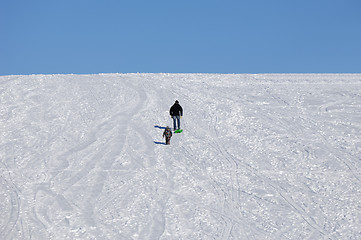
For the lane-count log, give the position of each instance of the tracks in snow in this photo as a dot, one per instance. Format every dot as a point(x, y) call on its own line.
point(257, 159)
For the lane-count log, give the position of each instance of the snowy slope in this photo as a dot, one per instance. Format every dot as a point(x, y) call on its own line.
point(261, 157)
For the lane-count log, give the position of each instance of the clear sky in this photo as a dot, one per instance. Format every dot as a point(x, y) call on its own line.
point(188, 36)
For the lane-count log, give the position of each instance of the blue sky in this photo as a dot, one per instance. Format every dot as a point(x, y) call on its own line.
point(188, 36)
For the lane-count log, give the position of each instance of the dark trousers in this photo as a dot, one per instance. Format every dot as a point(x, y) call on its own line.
point(176, 122)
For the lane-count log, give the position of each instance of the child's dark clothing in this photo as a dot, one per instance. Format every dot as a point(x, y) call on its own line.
point(167, 134)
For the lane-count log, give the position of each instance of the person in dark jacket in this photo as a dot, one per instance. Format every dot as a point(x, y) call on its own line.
point(176, 111)
point(167, 134)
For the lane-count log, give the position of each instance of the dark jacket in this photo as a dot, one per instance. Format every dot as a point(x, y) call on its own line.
point(176, 110)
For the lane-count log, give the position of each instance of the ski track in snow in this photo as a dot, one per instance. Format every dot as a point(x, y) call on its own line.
point(262, 156)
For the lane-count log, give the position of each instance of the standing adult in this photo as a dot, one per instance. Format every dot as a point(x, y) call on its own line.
point(176, 111)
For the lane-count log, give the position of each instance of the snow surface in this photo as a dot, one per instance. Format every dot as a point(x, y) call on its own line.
point(262, 156)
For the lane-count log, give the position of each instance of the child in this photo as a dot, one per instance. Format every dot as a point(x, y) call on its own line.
point(167, 134)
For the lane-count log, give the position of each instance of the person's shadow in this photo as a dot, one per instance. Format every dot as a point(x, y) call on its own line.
point(159, 143)
point(160, 127)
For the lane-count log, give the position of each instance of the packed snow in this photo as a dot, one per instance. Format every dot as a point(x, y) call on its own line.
point(262, 156)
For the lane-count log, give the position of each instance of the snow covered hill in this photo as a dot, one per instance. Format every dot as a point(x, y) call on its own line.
point(261, 157)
